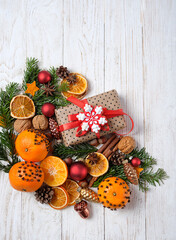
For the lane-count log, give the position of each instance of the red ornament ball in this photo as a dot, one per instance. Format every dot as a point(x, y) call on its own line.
point(44, 77)
point(136, 162)
point(48, 109)
point(78, 171)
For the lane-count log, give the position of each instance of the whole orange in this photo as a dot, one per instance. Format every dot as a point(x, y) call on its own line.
point(26, 176)
point(32, 145)
point(113, 193)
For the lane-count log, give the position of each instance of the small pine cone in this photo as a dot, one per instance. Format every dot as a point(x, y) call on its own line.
point(44, 194)
point(130, 173)
point(88, 194)
point(62, 72)
point(117, 158)
point(54, 128)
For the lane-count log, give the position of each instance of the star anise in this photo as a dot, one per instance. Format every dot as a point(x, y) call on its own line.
point(71, 79)
point(48, 89)
point(93, 158)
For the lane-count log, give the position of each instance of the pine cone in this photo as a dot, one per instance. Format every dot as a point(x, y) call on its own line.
point(117, 158)
point(88, 194)
point(54, 128)
point(130, 173)
point(71, 79)
point(62, 72)
point(44, 194)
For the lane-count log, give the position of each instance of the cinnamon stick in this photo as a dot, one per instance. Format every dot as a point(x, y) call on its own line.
point(113, 140)
point(92, 181)
point(106, 144)
point(108, 150)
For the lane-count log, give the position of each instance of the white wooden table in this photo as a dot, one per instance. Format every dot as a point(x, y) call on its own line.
point(126, 45)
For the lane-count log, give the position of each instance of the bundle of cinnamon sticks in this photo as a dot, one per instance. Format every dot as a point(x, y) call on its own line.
point(107, 150)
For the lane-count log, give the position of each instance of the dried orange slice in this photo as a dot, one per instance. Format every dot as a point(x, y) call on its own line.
point(60, 199)
point(100, 167)
point(55, 171)
point(22, 107)
point(71, 187)
point(67, 94)
point(79, 87)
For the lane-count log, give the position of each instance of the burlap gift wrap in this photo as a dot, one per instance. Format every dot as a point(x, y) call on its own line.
point(109, 100)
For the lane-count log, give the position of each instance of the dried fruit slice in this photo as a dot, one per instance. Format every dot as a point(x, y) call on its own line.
point(71, 187)
point(60, 199)
point(67, 94)
point(79, 87)
point(22, 107)
point(55, 170)
point(99, 168)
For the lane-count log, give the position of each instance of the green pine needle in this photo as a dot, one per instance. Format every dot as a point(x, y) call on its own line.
point(114, 171)
point(147, 177)
point(78, 151)
point(8, 155)
point(11, 90)
point(31, 72)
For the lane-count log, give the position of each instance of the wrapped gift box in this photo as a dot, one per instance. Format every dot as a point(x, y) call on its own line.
point(109, 100)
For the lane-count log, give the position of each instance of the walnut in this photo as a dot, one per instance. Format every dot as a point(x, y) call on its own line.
point(40, 122)
point(126, 144)
point(22, 124)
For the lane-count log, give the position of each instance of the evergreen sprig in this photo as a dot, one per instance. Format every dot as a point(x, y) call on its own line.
point(11, 90)
point(113, 171)
point(31, 72)
point(147, 177)
point(78, 151)
point(8, 155)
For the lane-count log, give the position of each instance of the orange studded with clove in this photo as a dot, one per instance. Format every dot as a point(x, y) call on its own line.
point(113, 193)
point(26, 176)
point(32, 145)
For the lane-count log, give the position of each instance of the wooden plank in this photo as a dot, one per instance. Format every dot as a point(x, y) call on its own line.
point(12, 58)
point(159, 49)
point(43, 40)
point(83, 53)
point(123, 71)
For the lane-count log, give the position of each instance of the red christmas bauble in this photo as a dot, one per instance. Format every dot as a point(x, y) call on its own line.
point(48, 109)
point(135, 162)
point(78, 171)
point(44, 77)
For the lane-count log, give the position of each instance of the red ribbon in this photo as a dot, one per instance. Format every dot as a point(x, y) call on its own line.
point(74, 122)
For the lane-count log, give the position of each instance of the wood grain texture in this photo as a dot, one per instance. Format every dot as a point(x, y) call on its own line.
point(126, 45)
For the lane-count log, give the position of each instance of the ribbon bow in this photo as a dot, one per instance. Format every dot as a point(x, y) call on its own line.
point(92, 118)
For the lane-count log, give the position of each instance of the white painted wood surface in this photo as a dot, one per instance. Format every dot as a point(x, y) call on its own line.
point(126, 45)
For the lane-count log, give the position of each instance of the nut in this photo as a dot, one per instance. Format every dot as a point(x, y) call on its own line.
point(126, 144)
point(40, 122)
point(22, 124)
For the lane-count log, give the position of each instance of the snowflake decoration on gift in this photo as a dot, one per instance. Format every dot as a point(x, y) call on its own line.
point(92, 118)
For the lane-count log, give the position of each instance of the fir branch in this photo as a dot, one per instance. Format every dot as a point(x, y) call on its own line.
point(40, 98)
point(63, 87)
point(150, 177)
point(8, 155)
point(11, 90)
point(54, 77)
point(147, 161)
point(31, 72)
point(147, 177)
point(78, 151)
point(114, 171)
